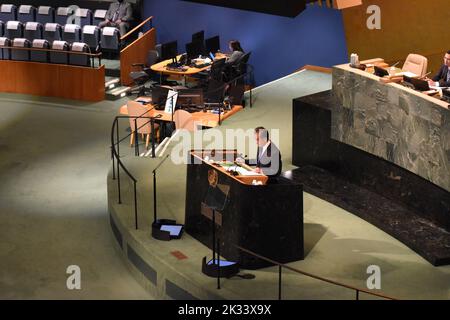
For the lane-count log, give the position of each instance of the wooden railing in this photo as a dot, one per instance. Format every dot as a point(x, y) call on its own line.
point(137, 51)
point(137, 28)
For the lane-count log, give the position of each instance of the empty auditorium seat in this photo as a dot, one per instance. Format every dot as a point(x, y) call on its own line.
point(45, 15)
point(14, 29)
point(39, 56)
point(63, 14)
point(8, 12)
point(20, 55)
point(52, 32)
point(2, 28)
point(99, 16)
point(84, 17)
point(110, 38)
point(33, 30)
point(26, 13)
point(5, 53)
point(60, 57)
point(71, 33)
point(91, 36)
point(78, 59)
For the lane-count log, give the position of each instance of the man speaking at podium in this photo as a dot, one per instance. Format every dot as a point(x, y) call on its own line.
point(268, 157)
point(119, 15)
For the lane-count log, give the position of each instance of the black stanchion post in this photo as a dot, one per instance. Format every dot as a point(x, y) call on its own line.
point(113, 162)
point(218, 264)
point(279, 281)
point(135, 206)
point(154, 196)
point(136, 139)
point(152, 125)
point(118, 161)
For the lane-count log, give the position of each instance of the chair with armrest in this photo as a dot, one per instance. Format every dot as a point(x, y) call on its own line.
point(140, 78)
point(135, 109)
point(416, 64)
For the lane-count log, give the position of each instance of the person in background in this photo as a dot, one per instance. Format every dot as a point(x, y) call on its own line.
point(442, 78)
point(236, 52)
point(119, 15)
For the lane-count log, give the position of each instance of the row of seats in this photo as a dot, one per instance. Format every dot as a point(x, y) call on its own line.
point(65, 56)
point(106, 38)
point(46, 14)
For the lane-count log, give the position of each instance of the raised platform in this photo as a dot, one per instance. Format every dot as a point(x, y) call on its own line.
point(408, 207)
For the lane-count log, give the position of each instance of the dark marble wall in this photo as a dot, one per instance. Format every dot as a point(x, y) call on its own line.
point(312, 145)
point(392, 122)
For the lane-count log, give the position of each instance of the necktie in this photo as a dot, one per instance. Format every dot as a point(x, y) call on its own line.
point(448, 74)
point(116, 14)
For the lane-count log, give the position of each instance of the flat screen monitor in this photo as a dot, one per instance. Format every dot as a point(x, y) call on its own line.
point(169, 50)
point(212, 44)
point(194, 49)
point(198, 36)
point(159, 95)
point(190, 97)
point(420, 85)
point(380, 72)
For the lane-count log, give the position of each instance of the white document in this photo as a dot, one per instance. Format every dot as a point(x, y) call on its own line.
point(171, 101)
point(407, 73)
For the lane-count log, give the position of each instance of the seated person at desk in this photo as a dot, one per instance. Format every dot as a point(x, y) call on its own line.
point(119, 15)
point(236, 52)
point(268, 161)
point(442, 78)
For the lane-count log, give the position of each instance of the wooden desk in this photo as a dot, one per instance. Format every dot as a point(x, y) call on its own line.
point(161, 67)
point(266, 219)
point(205, 119)
point(200, 155)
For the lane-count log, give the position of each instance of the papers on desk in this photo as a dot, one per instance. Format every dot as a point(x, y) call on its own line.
point(407, 73)
point(232, 167)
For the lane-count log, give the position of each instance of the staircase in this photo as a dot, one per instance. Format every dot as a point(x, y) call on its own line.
point(113, 89)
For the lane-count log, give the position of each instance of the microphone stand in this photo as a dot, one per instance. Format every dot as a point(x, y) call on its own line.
point(154, 187)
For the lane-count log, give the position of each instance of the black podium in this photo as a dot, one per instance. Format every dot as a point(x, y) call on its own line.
point(265, 219)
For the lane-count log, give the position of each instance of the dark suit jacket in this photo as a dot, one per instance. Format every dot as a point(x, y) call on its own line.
point(441, 76)
point(269, 162)
point(125, 12)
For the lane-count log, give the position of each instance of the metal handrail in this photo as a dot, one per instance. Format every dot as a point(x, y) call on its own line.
point(281, 265)
point(149, 19)
point(53, 50)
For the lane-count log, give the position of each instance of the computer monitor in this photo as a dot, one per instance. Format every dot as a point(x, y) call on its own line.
point(420, 85)
point(212, 44)
point(380, 72)
point(194, 49)
point(169, 50)
point(190, 97)
point(198, 36)
point(159, 95)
